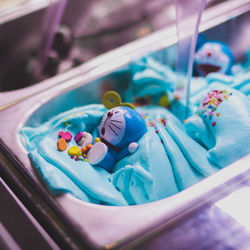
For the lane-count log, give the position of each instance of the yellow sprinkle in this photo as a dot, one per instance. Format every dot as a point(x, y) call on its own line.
point(66, 123)
point(218, 114)
point(97, 139)
point(73, 151)
point(86, 160)
point(64, 119)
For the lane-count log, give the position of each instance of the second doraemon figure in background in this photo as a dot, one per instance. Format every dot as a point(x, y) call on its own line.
point(120, 129)
point(214, 56)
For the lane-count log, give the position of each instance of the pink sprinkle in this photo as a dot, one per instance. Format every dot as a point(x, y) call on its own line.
point(156, 131)
point(78, 136)
point(210, 112)
point(60, 134)
point(213, 123)
point(65, 135)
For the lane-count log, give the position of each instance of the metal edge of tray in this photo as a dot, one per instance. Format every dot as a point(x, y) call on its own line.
point(165, 37)
point(21, 9)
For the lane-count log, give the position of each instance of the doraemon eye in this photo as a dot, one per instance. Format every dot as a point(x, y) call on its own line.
point(112, 127)
point(118, 111)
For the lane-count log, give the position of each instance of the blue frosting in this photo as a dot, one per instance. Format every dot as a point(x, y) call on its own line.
point(229, 138)
point(170, 157)
point(165, 162)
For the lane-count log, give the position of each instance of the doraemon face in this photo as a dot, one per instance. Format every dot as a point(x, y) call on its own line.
point(112, 127)
point(213, 57)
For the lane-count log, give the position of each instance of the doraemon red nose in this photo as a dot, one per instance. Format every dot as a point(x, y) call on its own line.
point(209, 54)
point(110, 114)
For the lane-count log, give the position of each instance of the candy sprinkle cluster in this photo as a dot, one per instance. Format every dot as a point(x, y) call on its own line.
point(152, 123)
point(210, 103)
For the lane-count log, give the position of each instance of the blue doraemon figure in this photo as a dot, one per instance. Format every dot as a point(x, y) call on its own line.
point(120, 129)
point(214, 56)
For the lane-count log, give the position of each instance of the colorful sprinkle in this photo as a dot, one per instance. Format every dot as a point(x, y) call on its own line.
point(78, 137)
point(163, 121)
point(211, 102)
point(61, 144)
point(85, 150)
point(65, 135)
point(97, 139)
point(73, 151)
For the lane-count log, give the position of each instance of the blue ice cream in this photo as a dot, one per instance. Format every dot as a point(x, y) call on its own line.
point(171, 156)
point(164, 164)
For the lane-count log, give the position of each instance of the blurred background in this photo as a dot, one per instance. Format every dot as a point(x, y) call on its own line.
point(41, 38)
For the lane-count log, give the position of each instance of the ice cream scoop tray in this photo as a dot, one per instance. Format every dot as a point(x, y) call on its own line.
point(110, 226)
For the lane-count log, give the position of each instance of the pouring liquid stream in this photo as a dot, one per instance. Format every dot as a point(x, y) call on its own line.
point(188, 18)
point(51, 23)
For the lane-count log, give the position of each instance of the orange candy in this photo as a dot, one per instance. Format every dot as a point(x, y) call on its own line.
point(86, 149)
point(61, 144)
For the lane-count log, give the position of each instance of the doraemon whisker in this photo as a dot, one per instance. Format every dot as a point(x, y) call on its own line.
point(115, 125)
point(115, 121)
point(113, 130)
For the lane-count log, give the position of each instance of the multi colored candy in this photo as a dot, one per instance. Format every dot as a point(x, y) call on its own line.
point(83, 138)
point(85, 150)
point(74, 151)
point(61, 144)
point(211, 102)
point(65, 135)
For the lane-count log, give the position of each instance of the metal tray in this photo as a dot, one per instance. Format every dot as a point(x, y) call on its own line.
point(128, 224)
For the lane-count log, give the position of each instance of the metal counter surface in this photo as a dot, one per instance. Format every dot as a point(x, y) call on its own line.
point(18, 228)
point(209, 228)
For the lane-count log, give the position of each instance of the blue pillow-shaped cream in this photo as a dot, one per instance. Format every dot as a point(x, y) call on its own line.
point(222, 124)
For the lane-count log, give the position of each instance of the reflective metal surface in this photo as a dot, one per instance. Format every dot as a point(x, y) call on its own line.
point(23, 30)
point(18, 228)
point(212, 227)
